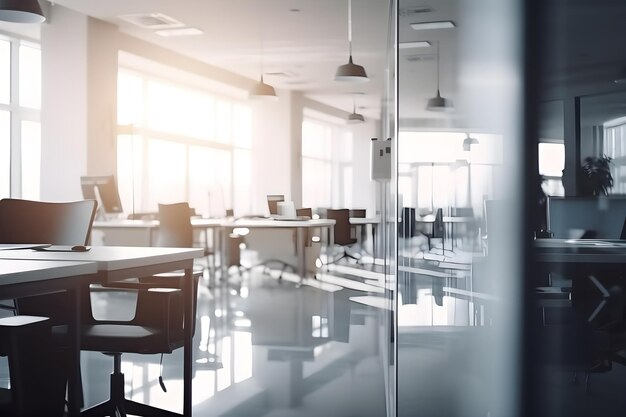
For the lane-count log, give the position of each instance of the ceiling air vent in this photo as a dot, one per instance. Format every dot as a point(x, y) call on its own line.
point(414, 11)
point(419, 58)
point(152, 21)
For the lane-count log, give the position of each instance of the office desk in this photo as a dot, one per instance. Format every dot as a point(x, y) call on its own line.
point(580, 251)
point(149, 227)
point(115, 263)
point(298, 225)
point(360, 222)
point(21, 278)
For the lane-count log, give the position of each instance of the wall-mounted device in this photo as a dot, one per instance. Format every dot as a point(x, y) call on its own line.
point(380, 168)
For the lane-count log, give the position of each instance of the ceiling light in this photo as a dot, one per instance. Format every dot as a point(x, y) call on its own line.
point(411, 45)
point(350, 72)
point(446, 24)
point(355, 117)
point(21, 11)
point(439, 103)
point(262, 91)
point(179, 32)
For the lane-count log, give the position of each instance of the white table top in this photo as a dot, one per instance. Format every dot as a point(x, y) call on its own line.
point(16, 271)
point(364, 220)
point(260, 223)
point(151, 224)
point(111, 258)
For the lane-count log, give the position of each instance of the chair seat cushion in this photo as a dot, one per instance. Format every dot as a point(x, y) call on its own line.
point(117, 338)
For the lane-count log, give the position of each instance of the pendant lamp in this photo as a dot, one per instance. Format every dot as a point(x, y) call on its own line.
point(21, 11)
point(355, 117)
point(262, 91)
point(350, 72)
point(439, 103)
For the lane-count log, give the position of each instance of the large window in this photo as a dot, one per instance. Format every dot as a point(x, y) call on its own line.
point(20, 130)
point(177, 143)
point(326, 165)
point(551, 165)
point(614, 145)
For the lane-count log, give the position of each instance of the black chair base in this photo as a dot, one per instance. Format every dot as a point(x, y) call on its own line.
point(117, 405)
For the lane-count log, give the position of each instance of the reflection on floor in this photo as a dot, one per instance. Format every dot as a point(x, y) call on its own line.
point(265, 347)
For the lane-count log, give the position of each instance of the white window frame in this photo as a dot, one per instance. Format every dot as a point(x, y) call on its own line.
point(17, 113)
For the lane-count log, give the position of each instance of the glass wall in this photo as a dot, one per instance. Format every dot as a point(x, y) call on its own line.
point(460, 158)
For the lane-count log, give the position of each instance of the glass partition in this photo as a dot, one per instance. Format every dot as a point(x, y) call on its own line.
point(459, 253)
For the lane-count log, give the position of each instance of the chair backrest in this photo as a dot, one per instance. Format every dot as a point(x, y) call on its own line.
point(25, 221)
point(342, 225)
point(272, 202)
point(359, 213)
point(407, 228)
point(438, 227)
point(304, 212)
point(175, 228)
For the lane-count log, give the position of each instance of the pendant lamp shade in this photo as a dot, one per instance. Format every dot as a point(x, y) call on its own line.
point(439, 103)
point(262, 91)
point(350, 72)
point(355, 117)
point(21, 11)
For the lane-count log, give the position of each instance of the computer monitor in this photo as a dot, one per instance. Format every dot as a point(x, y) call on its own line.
point(272, 202)
point(104, 190)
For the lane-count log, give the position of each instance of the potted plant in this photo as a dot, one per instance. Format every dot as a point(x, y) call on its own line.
point(596, 178)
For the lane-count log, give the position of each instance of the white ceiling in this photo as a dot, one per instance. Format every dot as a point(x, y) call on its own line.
point(305, 39)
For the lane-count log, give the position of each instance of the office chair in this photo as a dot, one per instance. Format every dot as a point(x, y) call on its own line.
point(272, 202)
point(157, 327)
point(176, 231)
point(342, 231)
point(360, 214)
point(25, 221)
point(62, 223)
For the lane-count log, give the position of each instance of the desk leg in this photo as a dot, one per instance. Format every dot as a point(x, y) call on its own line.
point(189, 296)
point(331, 244)
point(374, 251)
point(215, 242)
point(223, 255)
point(301, 255)
point(74, 390)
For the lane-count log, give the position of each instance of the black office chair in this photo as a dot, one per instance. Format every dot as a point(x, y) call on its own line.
point(35, 382)
point(58, 223)
point(342, 232)
point(157, 327)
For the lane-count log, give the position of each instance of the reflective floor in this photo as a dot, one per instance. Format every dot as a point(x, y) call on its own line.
point(268, 347)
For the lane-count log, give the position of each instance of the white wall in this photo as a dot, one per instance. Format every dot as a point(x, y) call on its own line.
point(271, 150)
